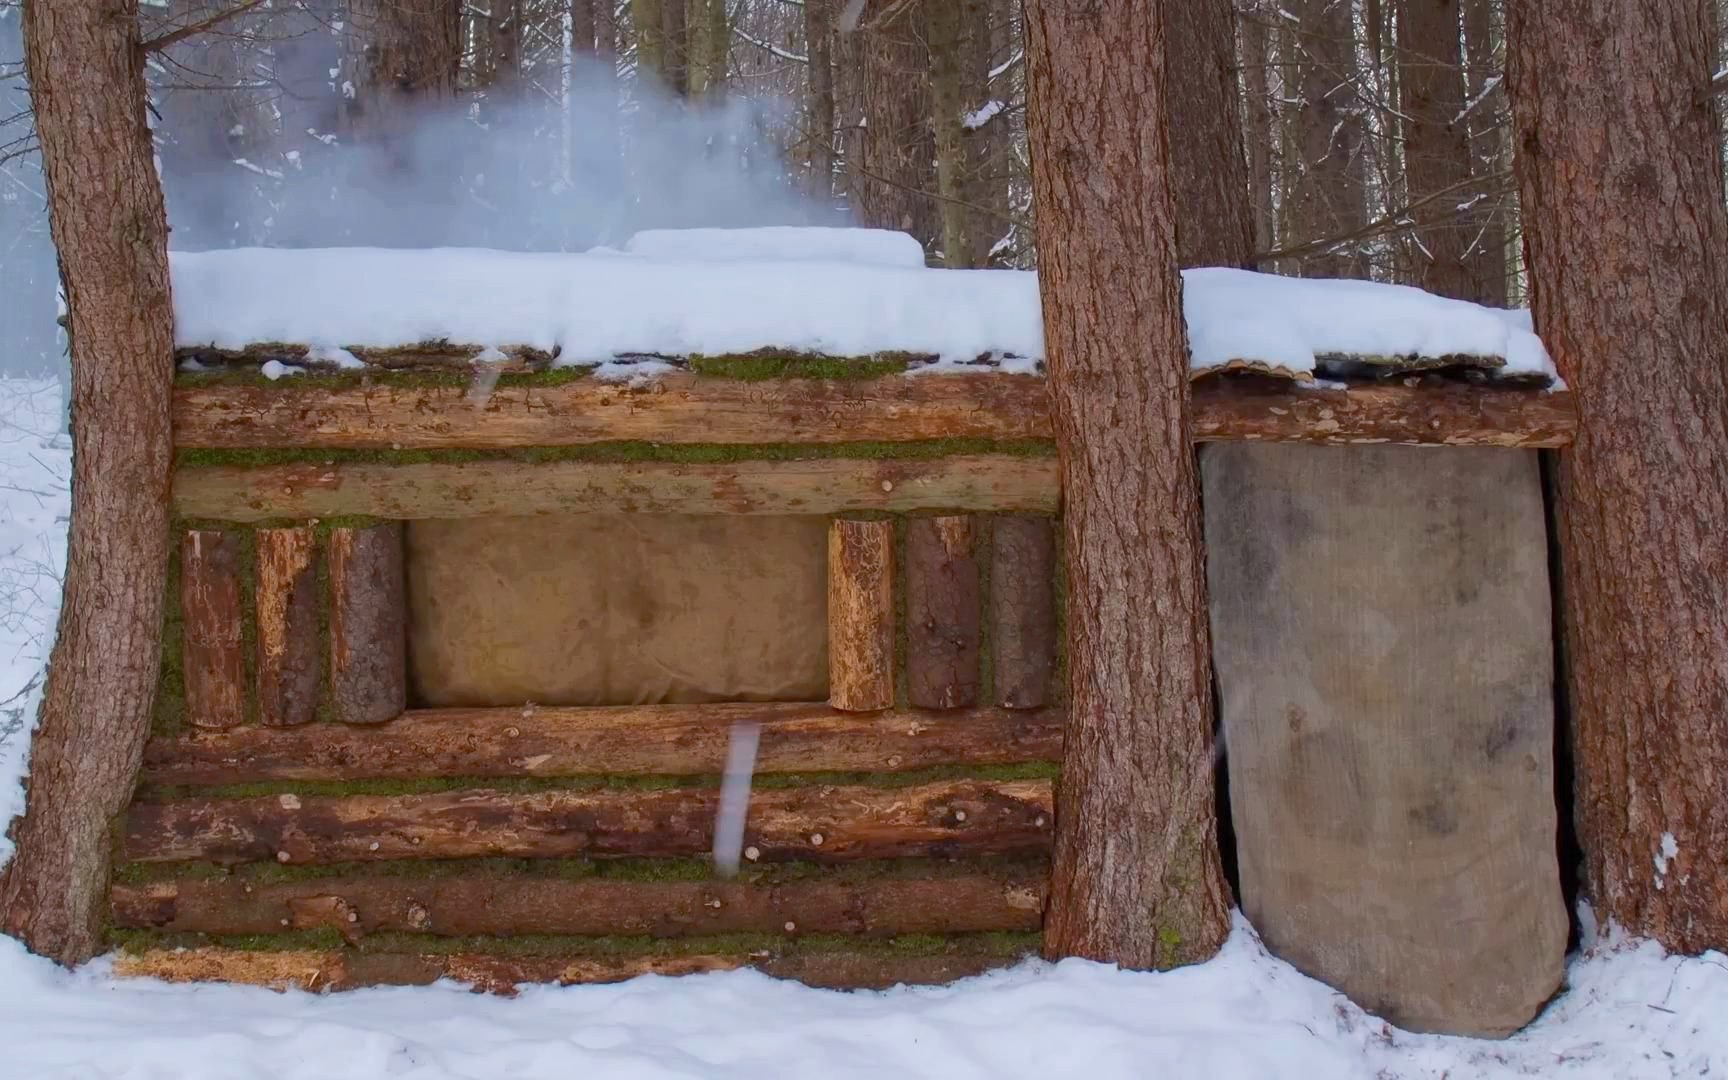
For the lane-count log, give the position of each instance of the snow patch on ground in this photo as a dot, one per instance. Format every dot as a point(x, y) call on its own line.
point(1629, 1013)
point(837, 292)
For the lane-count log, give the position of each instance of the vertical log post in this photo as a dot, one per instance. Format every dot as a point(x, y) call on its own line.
point(1022, 609)
point(860, 615)
point(290, 670)
point(942, 613)
point(368, 624)
point(212, 653)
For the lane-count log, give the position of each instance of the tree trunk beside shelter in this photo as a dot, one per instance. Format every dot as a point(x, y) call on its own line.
point(106, 212)
point(1136, 877)
point(1627, 242)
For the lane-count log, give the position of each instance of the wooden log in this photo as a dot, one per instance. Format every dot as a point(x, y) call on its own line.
point(1023, 609)
point(508, 486)
point(477, 905)
point(950, 819)
point(629, 740)
point(212, 627)
point(860, 615)
point(368, 624)
point(348, 969)
point(290, 668)
point(382, 415)
point(942, 613)
point(1421, 411)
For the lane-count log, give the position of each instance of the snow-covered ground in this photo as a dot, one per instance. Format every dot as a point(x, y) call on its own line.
point(1629, 1012)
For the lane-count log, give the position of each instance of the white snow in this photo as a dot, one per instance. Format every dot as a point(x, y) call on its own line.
point(878, 247)
point(838, 292)
point(1630, 1013)
point(982, 115)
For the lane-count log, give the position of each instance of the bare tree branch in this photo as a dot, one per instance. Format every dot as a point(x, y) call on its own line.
point(175, 37)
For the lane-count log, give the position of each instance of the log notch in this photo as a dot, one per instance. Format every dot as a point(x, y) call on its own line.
point(1022, 609)
point(948, 819)
point(942, 612)
point(860, 615)
point(479, 904)
point(625, 740)
point(212, 619)
point(290, 671)
point(368, 624)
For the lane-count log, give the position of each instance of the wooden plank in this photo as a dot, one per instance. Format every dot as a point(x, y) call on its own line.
point(1432, 412)
point(348, 969)
point(290, 668)
point(860, 615)
point(382, 415)
point(212, 628)
point(629, 740)
point(368, 624)
point(942, 612)
point(951, 818)
point(1023, 609)
point(476, 905)
point(512, 487)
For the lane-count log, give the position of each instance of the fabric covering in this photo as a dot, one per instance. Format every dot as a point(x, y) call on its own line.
point(1381, 633)
point(617, 609)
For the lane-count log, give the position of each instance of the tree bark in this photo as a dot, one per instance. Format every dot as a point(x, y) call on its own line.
point(892, 159)
point(1023, 609)
point(1258, 129)
point(368, 624)
point(213, 642)
point(1326, 196)
point(1626, 235)
point(947, 818)
point(290, 668)
point(942, 612)
point(412, 59)
point(1208, 174)
point(819, 108)
point(675, 46)
point(1436, 147)
point(105, 209)
point(1490, 266)
point(622, 740)
point(1136, 878)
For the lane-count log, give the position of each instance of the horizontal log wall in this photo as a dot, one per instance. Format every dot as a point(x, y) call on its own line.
point(949, 819)
point(509, 487)
point(383, 415)
point(478, 905)
point(344, 969)
point(630, 740)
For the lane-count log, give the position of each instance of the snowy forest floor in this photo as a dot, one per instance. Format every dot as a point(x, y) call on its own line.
point(1628, 1012)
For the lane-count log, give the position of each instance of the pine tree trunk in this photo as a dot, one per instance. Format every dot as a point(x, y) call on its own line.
point(892, 159)
point(414, 52)
point(1256, 89)
point(1490, 266)
point(1327, 200)
point(1436, 146)
point(1209, 177)
point(1136, 877)
point(647, 20)
point(675, 46)
point(105, 208)
point(944, 33)
point(819, 47)
point(1627, 238)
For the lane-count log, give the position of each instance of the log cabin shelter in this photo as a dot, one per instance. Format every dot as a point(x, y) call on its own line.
point(486, 560)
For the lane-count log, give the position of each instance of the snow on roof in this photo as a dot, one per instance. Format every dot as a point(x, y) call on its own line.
point(831, 292)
